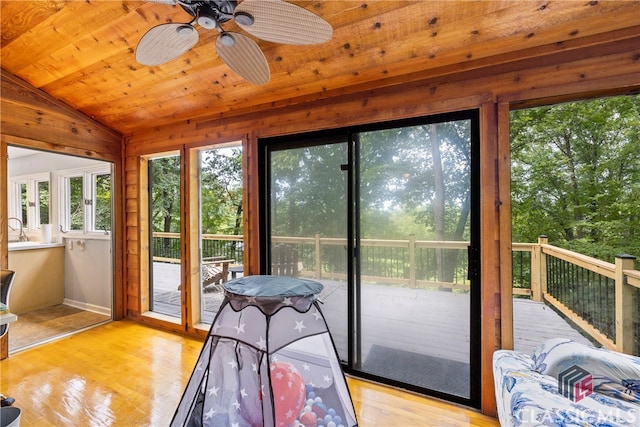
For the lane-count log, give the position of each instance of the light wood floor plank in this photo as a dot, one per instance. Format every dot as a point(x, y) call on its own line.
point(126, 374)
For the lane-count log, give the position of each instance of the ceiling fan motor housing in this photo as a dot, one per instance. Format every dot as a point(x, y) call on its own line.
point(210, 13)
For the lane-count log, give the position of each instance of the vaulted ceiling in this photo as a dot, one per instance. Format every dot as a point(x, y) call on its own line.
point(83, 52)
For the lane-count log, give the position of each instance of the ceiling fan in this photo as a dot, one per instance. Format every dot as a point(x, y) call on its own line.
point(271, 20)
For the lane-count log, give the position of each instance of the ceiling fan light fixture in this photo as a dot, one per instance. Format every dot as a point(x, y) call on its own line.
point(244, 18)
point(185, 30)
point(227, 39)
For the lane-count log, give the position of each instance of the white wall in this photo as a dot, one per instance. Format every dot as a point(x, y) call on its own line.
point(88, 274)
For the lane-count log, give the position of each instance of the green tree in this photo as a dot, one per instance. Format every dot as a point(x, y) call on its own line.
point(221, 191)
point(165, 194)
point(576, 175)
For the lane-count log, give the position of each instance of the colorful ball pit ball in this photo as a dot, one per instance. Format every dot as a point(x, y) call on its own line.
point(309, 419)
point(316, 414)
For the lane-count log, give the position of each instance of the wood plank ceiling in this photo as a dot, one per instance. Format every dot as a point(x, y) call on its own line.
point(82, 52)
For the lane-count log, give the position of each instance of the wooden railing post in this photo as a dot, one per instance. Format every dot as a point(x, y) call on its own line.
point(412, 261)
point(538, 270)
point(624, 305)
point(318, 257)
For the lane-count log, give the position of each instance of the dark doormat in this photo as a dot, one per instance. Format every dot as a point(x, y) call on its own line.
point(435, 373)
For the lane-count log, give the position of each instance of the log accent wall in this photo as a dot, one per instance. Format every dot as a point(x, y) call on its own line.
point(608, 69)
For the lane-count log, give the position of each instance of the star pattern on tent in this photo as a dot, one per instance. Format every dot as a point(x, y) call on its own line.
point(317, 314)
point(210, 413)
point(254, 367)
point(233, 364)
point(237, 405)
point(239, 328)
point(243, 393)
point(306, 367)
point(299, 326)
point(262, 344)
point(213, 391)
point(326, 378)
point(287, 301)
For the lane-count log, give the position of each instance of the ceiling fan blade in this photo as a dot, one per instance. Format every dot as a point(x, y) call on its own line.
point(244, 57)
point(165, 42)
point(281, 22)
point(171, 2)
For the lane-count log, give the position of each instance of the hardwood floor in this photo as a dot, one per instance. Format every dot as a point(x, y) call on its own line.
point(126, 374)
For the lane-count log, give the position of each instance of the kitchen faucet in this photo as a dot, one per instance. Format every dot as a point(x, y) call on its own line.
point(22, 237)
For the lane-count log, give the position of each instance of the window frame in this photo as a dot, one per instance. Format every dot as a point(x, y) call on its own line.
point(88, 175)
point(31, 181)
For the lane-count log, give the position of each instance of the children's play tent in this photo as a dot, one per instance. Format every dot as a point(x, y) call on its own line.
point(268, 361)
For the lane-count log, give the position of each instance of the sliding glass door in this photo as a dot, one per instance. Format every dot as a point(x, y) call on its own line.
point(308, 223)
point(385, 218)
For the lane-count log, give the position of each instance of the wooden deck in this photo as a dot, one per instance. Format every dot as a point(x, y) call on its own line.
point(421, 321)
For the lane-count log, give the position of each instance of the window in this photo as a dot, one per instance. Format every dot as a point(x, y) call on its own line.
point(85, 200)
point(29, 200)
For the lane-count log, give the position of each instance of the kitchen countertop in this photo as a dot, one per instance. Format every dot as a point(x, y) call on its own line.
point(22, 246)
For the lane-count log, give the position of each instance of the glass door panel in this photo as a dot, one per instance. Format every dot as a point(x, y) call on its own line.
point(308, 223)
point(165, 247)
point(221, 225)
point(414, 231)
point(386, 221)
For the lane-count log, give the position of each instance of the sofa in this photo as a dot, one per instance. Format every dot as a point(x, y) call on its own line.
point(597, 387)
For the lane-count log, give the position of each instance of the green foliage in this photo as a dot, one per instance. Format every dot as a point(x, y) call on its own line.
point(164, 183)
point(220, 187)
point(76, 203)
point(308, 191)
point(103, 202)
point(221, 191)
point(576, 175)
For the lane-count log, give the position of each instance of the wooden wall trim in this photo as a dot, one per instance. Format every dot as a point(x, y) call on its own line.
point(32, 116)
point(505, 309)
point(4, 238)
point(489, 253)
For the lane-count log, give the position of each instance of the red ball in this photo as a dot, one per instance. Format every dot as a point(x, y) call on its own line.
point(309, 419)
point(288, 392)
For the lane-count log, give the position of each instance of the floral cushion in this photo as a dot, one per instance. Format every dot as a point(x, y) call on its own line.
point(527, 386)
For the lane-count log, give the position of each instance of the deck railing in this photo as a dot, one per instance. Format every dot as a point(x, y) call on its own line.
point(600, 298)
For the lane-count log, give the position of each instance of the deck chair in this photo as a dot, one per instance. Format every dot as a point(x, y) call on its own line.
point(6, 281)
point(215, 271)
point(285, 261)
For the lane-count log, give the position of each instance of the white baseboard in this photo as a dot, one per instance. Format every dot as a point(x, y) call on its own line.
point(88, 307)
